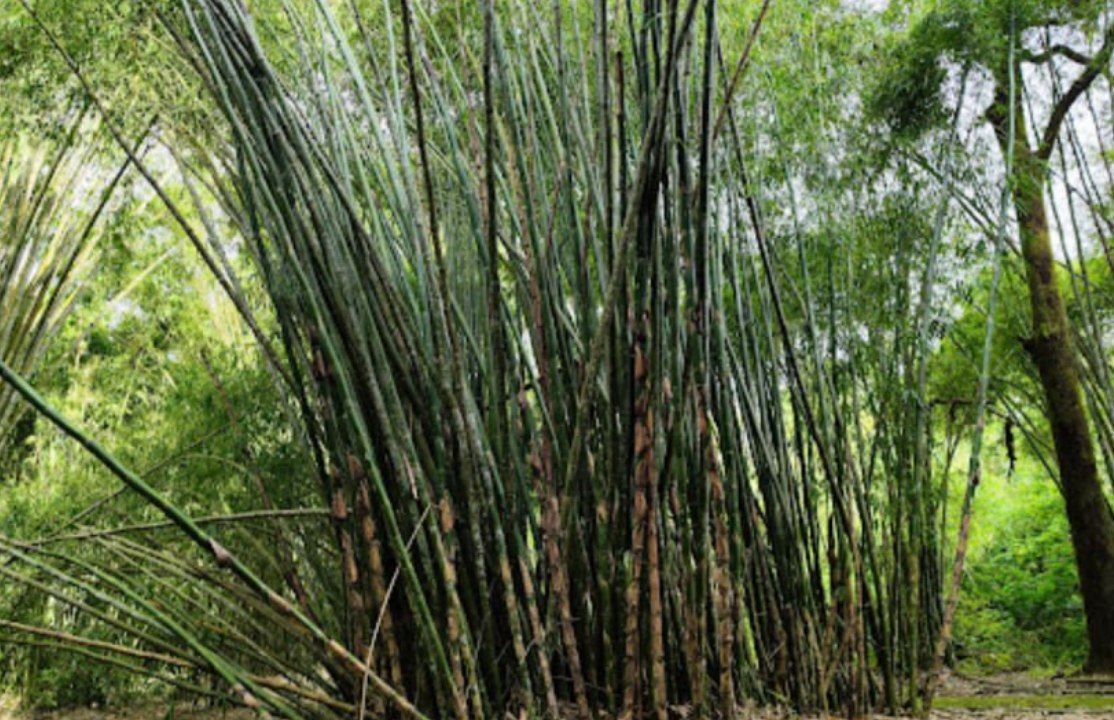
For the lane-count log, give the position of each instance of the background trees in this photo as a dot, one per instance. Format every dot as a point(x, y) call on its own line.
point(993, 36)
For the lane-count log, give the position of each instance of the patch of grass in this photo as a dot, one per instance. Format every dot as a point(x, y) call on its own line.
point(1025, 702)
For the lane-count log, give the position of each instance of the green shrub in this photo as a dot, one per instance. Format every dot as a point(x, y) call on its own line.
point(1020, 607)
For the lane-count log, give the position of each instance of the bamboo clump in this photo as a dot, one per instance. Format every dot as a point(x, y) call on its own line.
point(582, 419)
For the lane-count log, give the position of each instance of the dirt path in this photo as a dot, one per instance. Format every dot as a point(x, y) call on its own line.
point(1000, 697)
point(9, 711)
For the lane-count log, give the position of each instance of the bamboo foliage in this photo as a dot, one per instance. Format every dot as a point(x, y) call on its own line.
point(586, 419)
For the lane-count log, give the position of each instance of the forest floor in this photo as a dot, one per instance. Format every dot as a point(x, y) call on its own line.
point(1010, 696)
point(1022, 696)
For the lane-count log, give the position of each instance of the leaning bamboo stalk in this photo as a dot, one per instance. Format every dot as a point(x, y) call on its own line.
point(133, 668)
point(241, 686)
point(112, 620)
point(643, 470)
point(69, 638)
point(721, 590)
point(655, 606)
point(227, 633)
point(228, 518)
point(974, 470)
point(74, 643)
point(375, 572)
point(222, 557)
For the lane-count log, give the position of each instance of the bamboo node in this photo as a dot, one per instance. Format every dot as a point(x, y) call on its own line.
point(223, 557)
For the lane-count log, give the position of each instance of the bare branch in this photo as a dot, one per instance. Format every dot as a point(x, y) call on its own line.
point(1062, 50)
point(1094, 68)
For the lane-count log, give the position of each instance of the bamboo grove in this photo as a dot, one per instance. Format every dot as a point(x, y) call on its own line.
point(46, 248)
point(597, 419)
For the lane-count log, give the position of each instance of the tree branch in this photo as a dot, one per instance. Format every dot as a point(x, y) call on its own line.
point(1063, 50)
point(1060, 110)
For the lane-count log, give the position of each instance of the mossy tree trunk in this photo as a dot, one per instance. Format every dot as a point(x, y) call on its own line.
point(1092, 526)
point(1051, 349)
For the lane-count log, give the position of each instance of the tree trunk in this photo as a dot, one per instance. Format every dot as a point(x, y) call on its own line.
point(1050, 347)
point(1092, 526)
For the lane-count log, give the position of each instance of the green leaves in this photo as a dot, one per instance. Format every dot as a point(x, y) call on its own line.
point(1021, 609)
point(907, 97)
